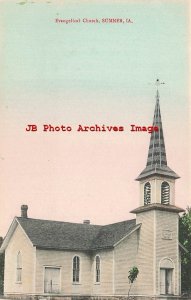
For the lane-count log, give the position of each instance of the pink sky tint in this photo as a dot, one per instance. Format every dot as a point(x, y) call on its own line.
point(75, 176)
point(59, 75)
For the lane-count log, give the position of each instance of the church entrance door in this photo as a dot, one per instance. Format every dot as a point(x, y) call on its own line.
point(52, 280)
point(166, 281)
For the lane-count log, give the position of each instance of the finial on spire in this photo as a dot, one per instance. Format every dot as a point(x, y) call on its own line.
point(157, 85)
point(156, 160)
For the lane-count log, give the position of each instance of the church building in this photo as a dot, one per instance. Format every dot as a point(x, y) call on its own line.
point(61, 260)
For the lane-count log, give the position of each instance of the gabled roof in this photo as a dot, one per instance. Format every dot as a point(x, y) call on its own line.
point(46, 234)
point(109, 235)
point(59, 235)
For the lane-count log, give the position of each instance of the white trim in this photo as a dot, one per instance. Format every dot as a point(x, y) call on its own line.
point(150, 186)
point(177, 261)
point(154, 255)
point(173, 274)
point(180, 271)
point(155, 238)
point(155, 188)
point(9, 234)
point(80, 264)
point(97, 282)
point(16, 269)
point(133, 230)
point(113, 277)
point(52, 267)
point(15, 223)
point(34, 269)
point(168, 258)
point(169, 202)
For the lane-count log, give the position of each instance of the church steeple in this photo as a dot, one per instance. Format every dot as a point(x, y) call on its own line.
point(156, 160)
point(157, 180)
point(157, 251)
point(157, 153)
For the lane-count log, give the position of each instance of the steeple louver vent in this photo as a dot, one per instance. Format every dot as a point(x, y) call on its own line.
point(165, 193)
point(147, 193)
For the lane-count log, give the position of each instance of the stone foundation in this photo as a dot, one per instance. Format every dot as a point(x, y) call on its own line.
point(62, 297)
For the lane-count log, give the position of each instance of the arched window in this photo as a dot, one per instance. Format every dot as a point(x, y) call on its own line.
point(147, 193)
point(76, 269)
point(166, 276)
point(165, 193)
point(19, 267)
point(97, 268)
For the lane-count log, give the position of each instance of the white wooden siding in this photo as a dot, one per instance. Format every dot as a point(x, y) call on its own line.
point(105, 287)
point(145, 257)
point(19, 242)
point(64, 260)
point(167, 248)
point(125, 258)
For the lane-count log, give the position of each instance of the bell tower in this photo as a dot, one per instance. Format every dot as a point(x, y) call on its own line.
point(157, 180)
point(158, 248)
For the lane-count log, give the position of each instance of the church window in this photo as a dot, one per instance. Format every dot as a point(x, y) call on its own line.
point(19, 267)
point(147, 193)
point(165, 193)
point(76, 269)
point(97, 268)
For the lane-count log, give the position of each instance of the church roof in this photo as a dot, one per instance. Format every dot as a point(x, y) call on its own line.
point(158, 206)
point(156, 160)
point(46, 234)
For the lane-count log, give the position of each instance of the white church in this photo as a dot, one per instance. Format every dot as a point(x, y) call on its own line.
point(70, 261)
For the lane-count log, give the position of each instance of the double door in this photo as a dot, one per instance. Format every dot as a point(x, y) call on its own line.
point(52, 280)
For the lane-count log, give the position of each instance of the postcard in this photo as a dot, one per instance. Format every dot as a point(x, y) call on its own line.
point(95, 147)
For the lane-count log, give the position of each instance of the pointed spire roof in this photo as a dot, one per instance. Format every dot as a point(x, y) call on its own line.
point(157, 153)
point(156, 160)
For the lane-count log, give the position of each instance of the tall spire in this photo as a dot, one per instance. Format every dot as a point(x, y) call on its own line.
point(157, 153)
point(156, 160)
